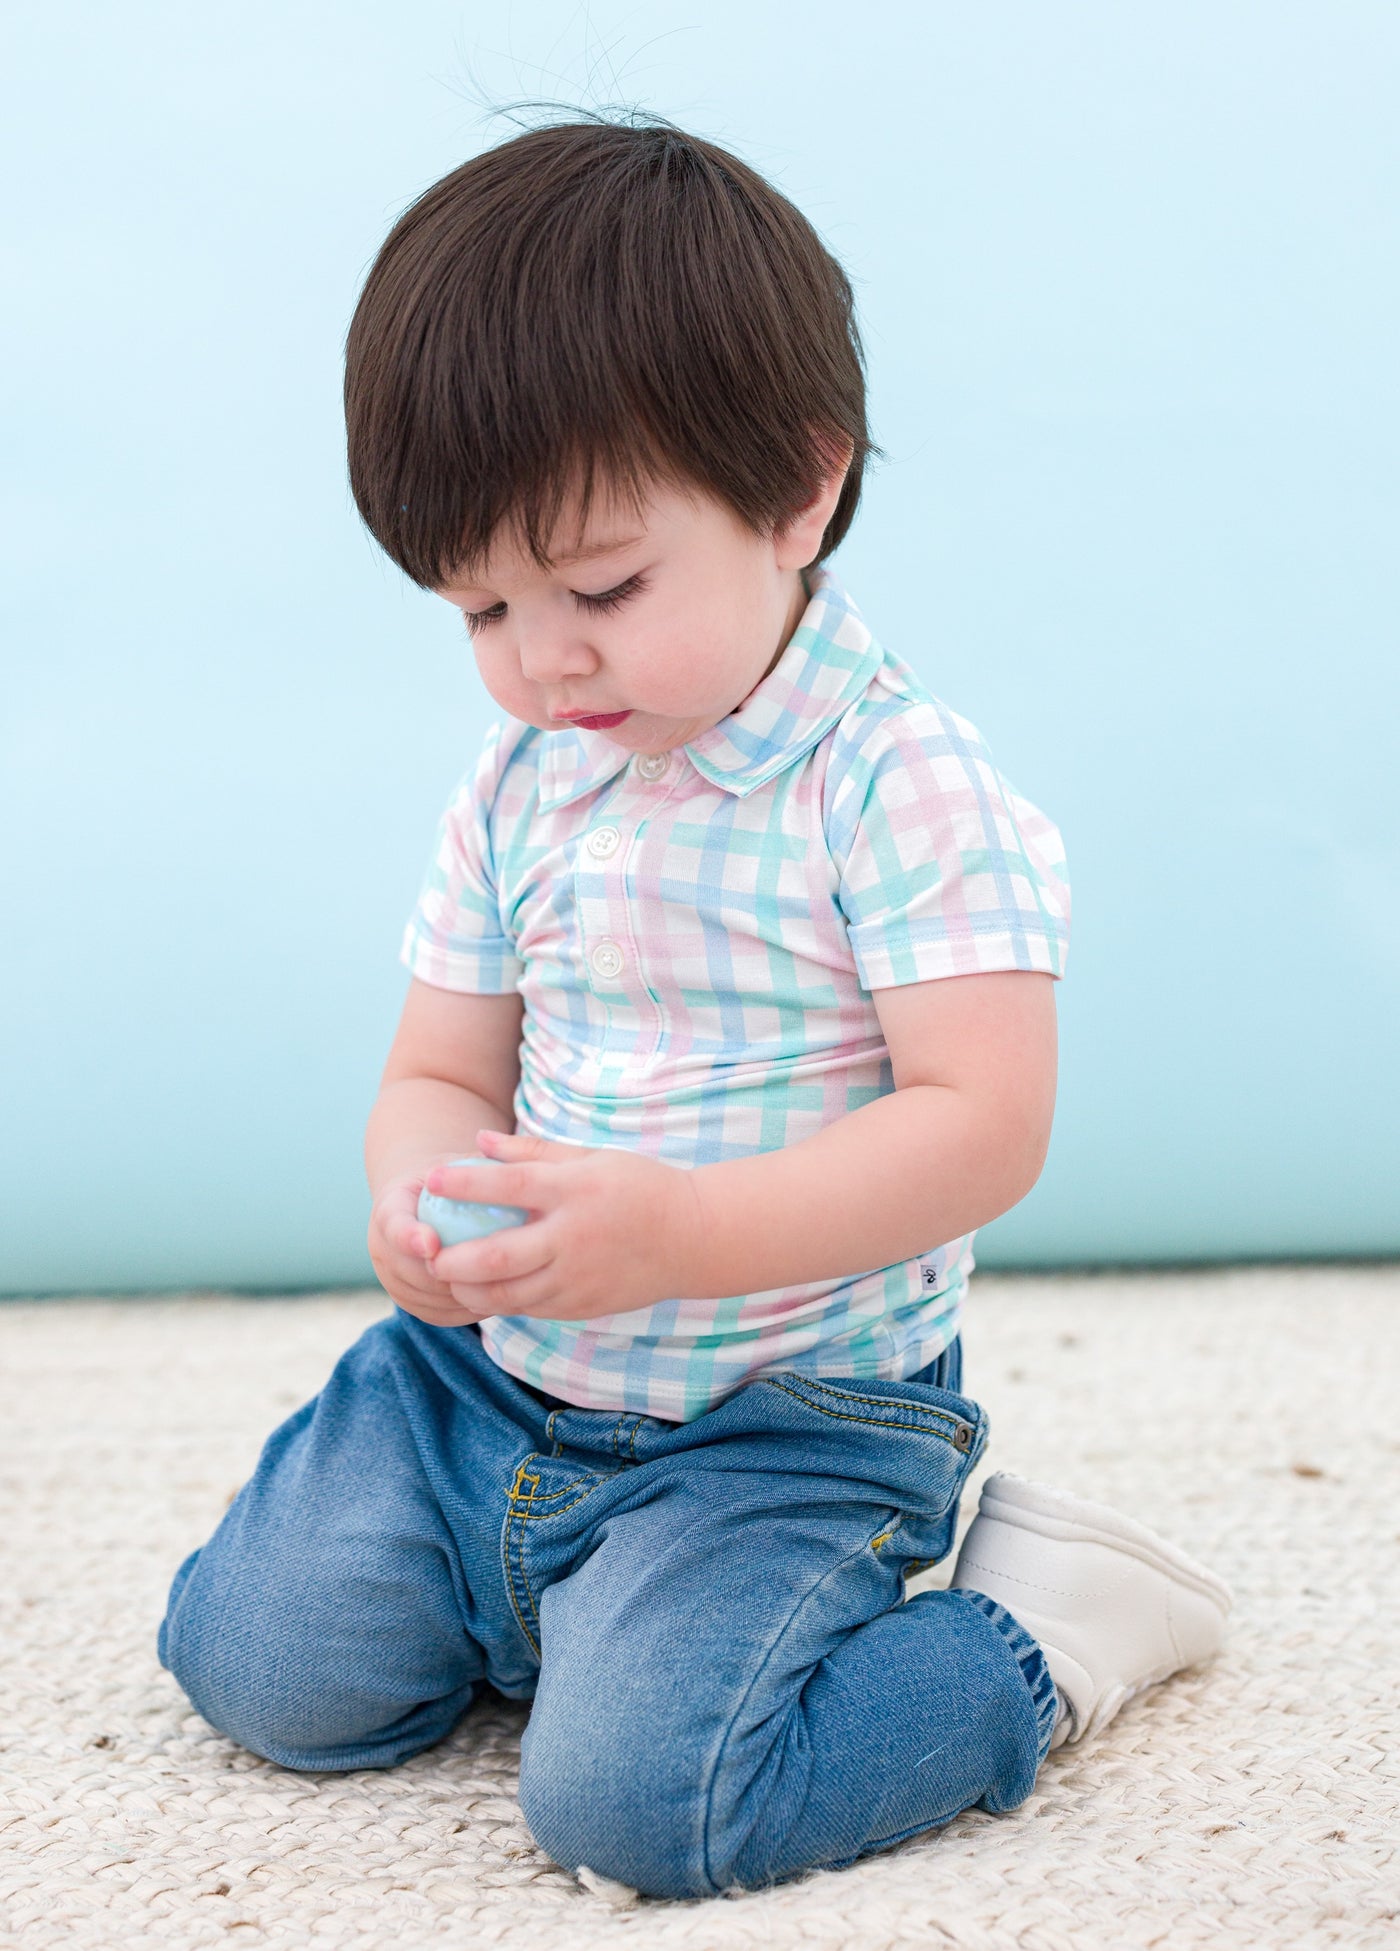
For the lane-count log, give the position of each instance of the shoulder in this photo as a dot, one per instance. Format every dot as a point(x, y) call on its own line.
point(898, 742)
point(505, 775)
point(908, 768)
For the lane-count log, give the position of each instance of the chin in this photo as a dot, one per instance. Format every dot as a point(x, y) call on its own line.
point(643, 733)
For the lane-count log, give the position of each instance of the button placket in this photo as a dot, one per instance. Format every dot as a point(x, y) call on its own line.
point(601, 914)
point(603, 905)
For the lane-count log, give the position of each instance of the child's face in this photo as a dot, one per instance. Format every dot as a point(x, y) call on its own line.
point(648, 625)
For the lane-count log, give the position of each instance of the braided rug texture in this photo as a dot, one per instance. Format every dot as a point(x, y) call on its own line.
point(1248, 1413)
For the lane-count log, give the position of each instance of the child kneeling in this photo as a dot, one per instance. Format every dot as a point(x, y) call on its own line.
point(735, 965)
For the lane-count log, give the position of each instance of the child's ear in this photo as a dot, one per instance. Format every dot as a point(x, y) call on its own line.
point(797, 542)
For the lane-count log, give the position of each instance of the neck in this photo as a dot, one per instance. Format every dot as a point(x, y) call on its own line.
point(800, 600)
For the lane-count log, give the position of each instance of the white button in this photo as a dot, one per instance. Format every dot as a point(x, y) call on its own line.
point(606, 960)
point(603, 842)
point(653, 764)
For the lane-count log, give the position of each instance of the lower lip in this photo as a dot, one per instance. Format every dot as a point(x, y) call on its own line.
point(603, 723)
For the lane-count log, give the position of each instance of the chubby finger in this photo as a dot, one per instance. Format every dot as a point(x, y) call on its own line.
point(495, 1185)
point(535, 1293)
point(521, 1148)
point(423, 1300)
point(405, 1233)
point(438, 1310)
point(508, 1255)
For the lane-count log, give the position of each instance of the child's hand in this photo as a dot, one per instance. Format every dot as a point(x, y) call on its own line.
point(402, 1247)
point(610, 1231)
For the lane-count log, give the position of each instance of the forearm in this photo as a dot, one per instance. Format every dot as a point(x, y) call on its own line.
point(892, 1180)
point(420, 1121)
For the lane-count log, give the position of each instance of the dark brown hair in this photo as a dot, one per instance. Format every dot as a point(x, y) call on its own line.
point(596, 302)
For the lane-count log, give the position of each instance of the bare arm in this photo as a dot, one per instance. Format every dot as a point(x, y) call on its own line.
point(451, 1073)
point(452, 1069)
point(961, 1139)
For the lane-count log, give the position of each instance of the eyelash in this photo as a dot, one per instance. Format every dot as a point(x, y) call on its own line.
point(608, 600)
point(603, 604)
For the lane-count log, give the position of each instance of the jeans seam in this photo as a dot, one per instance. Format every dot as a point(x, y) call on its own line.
point(876, 1422)
point(547, 1496)
point(831, 1572)
point(520, 1512)
point(532, 1516)
point(517, 1512)
point(849, 1395)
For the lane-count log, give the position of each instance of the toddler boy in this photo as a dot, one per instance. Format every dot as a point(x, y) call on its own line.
point(737, 959)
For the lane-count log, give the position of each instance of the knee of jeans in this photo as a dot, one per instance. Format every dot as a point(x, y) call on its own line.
point(256, 1676)
point(625, 1800)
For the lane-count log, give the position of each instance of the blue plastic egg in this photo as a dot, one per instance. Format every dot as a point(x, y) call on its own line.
point(455, 1220)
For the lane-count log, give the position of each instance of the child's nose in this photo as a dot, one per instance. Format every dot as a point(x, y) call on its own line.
point(547, 656)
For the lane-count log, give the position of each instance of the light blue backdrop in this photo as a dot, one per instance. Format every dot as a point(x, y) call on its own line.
point(1128, 278)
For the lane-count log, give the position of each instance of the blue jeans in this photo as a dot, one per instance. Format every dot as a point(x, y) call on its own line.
point(727, 1689)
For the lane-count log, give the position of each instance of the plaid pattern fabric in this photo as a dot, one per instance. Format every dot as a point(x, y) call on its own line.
point(695, 936)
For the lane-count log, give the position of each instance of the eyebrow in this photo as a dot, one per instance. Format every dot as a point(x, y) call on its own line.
point(610, 546)
point(596, 549)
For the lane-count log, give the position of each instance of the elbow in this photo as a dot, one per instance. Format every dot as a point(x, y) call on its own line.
point(1016, 1150)
point(1027, 1161)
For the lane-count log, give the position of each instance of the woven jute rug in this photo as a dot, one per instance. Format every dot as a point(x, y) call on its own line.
point(1253, 1414)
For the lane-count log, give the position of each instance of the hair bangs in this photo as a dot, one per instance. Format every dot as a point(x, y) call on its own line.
point(580, 313)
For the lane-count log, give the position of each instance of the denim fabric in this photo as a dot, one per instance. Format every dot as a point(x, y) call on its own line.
point(726, 1688)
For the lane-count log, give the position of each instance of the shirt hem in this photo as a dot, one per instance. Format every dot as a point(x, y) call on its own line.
point(672, 1405)
point(466, 975)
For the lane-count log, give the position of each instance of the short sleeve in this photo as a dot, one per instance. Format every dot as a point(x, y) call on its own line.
point(455, 938)
point(944, 869)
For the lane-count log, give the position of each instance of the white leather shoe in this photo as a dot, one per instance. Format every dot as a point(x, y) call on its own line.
point(1114, 1607)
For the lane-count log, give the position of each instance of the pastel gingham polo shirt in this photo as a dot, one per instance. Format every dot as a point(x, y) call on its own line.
point(696, 934)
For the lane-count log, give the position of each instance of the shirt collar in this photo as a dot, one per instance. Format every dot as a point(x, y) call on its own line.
point(827, 662)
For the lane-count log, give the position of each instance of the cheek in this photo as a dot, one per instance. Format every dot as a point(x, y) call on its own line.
point(676, 681)
point(499, 670)
point(691, 666)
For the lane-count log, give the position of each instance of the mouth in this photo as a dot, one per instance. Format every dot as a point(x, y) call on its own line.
point(596, 721)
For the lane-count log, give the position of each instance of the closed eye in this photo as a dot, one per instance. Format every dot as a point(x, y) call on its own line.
point(479, 620)
point(599, 603)
point(610, 599)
